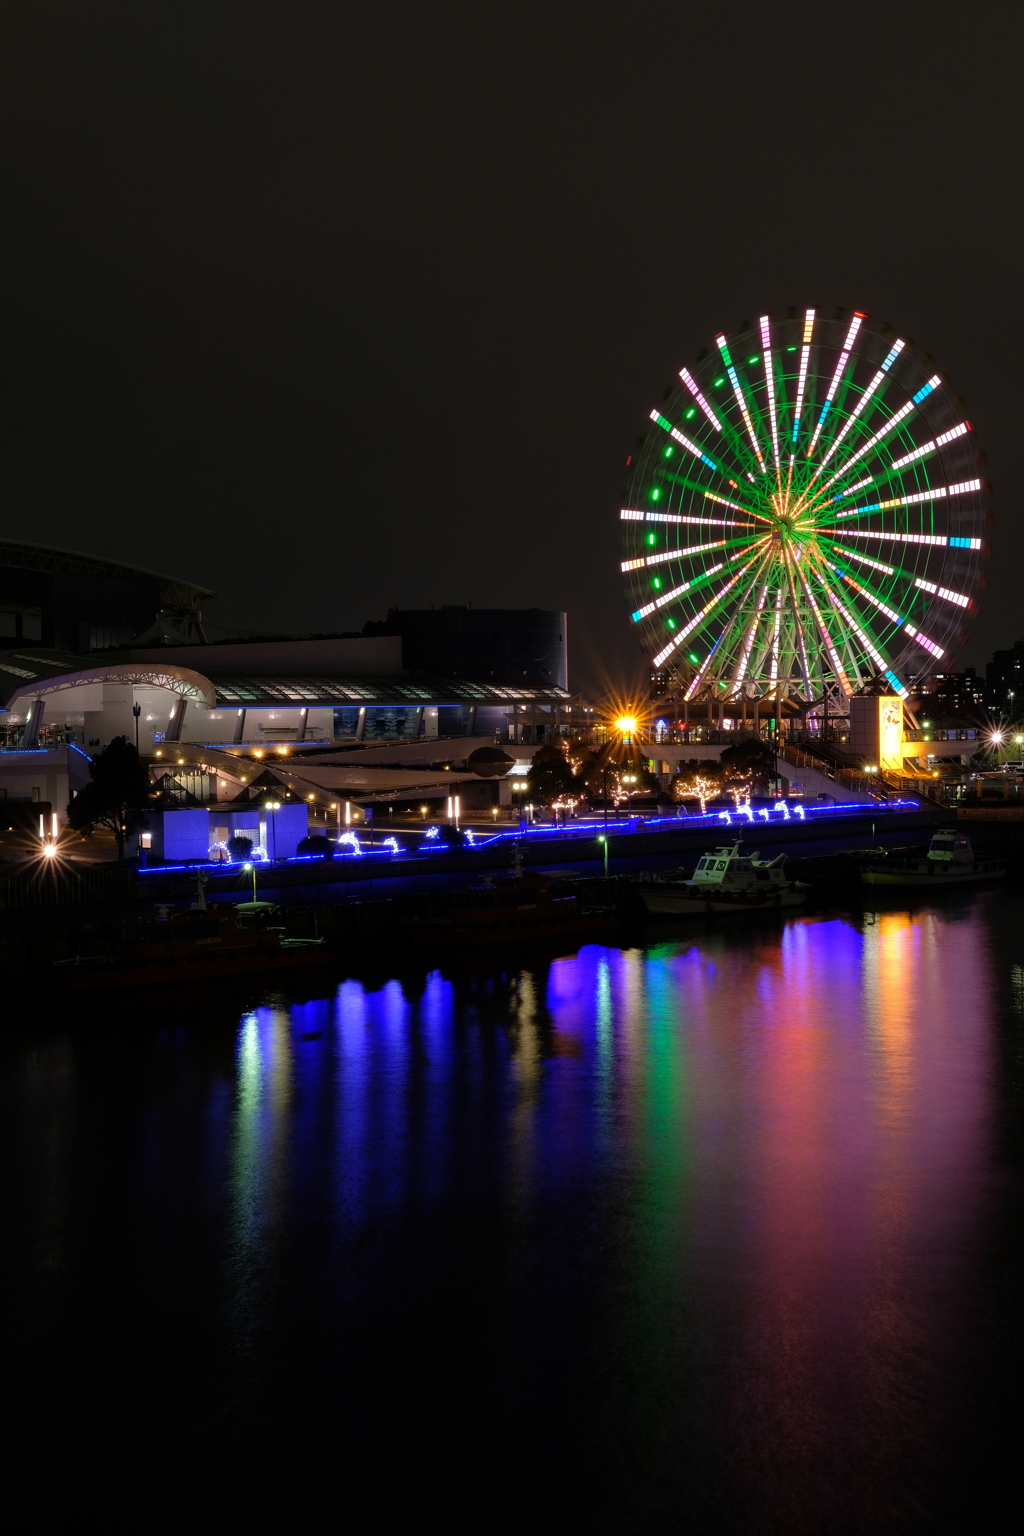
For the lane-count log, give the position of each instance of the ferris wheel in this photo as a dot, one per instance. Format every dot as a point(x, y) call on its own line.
point(805, 516)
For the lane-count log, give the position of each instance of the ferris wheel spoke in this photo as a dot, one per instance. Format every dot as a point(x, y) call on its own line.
point(673, 432)
point(628, 515)
point(677, 554)
point(858, 643)
point(710, 496)
point(735, 634)
point(800, 639)
point(694, 585)
point(931, 447)
point(769, 382)
point(838, 670)
point(864, 401)
point(882, 536)
point(933, 493)
point(749, 634)
point(882, 433)
point(801, 386)
point(844, 358)
point(898, 619)
point(710, 607)
point(691, 384)
point(775, 670)
point(723, 347)
point(948, 595)
point(877, 655)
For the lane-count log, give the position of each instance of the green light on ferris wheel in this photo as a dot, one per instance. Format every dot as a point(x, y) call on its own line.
point(655, 495)
point(694, 658)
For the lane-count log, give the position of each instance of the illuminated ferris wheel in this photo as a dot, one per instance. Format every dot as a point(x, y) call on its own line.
point(805, 516)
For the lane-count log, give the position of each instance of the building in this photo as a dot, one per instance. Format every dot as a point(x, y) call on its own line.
point(1004, 679)
point(958, 695)
point(505, 646)
point(96, 650)
point(78, 603)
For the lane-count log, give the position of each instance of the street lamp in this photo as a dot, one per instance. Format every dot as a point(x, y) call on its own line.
point(604, 840)
point(252, 870)
point(271, 806)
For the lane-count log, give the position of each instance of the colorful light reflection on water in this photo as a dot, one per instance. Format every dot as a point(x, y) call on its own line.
point(690, 1231)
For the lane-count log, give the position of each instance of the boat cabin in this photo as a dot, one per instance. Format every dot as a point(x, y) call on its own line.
point(950, 846)
point(735, 870)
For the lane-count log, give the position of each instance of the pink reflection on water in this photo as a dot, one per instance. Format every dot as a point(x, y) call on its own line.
point(804, 1114)
point(862, 1066)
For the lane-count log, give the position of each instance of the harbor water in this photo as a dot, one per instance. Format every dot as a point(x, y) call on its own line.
point(716, 1231)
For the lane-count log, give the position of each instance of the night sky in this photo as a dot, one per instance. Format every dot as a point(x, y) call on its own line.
point(337, 308)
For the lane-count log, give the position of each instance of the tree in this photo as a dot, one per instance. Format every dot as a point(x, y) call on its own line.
point(116, 796)
point(551, 777)
point(697, 780)
point(240, 848)
point(747, 767)
point(603, 773)
point(755, 757)
point(317, 843)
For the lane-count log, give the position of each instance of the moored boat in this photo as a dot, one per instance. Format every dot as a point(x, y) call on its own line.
point(729, 881)
point(201, 945)
point(950, 860)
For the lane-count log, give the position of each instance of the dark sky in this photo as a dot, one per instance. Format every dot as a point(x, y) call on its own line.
point(335, 308)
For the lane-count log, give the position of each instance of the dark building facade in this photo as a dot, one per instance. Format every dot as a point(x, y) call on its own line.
point(55, 597)
point(1004, 679)
point(960, 694)
point(503, 646)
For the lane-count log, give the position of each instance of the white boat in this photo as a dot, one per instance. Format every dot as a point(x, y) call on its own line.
point(728, 880)
point(949, 861)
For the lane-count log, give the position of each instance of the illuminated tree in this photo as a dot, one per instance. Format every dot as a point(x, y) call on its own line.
point(697, 781)
point(551, 778)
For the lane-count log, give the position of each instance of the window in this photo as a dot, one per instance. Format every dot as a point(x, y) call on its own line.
point(35, 794)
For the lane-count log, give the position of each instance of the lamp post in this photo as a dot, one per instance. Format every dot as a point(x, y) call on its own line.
point(270, 806)
point(604, 840)
point(252, 870)
point(136, 711)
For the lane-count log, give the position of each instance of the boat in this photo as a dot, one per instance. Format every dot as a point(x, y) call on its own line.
point(528, 906)
point(200, 945)
point(950, 860)
point(729, 880)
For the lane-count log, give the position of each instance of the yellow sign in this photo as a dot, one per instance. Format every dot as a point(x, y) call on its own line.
point(890, 733)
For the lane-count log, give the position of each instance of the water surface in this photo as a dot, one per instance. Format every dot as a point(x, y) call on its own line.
point(721, 1233)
